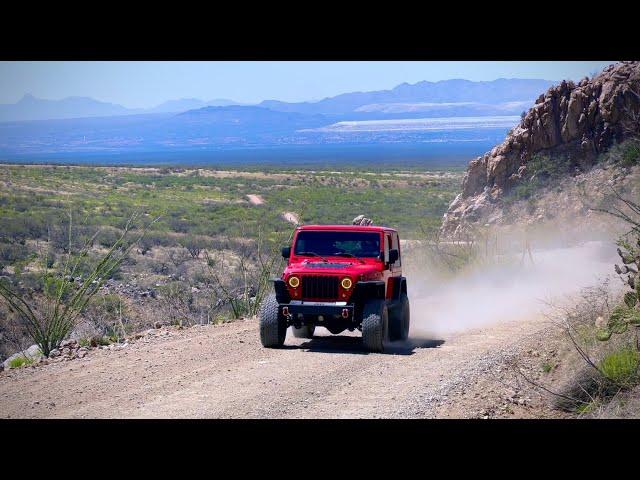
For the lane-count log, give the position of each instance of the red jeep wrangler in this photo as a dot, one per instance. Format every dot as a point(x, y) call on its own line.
point(339, 277)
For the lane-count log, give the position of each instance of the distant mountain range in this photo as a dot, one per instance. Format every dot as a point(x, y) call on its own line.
point(456, 92)
point(32, 108)
point(453, 112)
point(444, 98)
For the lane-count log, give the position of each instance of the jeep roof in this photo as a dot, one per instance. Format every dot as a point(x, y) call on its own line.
point(368, 228)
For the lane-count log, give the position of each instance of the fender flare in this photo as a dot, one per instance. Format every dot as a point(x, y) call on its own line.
point(282, 294)
point(365, 291)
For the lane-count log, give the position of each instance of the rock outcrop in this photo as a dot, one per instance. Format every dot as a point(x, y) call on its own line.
point(578, 120)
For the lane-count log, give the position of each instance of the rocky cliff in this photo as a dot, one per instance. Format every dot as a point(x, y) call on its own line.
point(579, 121)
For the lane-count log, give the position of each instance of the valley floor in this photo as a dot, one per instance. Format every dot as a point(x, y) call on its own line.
point(223, 372)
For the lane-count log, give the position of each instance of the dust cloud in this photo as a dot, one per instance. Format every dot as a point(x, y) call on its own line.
point(508, 287)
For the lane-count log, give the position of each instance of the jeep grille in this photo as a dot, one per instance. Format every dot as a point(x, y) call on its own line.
point(325, 287)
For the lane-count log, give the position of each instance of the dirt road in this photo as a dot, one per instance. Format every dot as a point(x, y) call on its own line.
point(291, 217)
point(255, 199)
point(222, 371)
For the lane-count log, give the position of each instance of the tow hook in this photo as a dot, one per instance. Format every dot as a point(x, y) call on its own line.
point(345, 313)
point(285, 312)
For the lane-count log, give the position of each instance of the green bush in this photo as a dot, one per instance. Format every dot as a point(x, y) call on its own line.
point(548, 168)
point(10, 253)
point(542, 171)
point(20, 361)
point(524, 191)
point(98, 341)
point(631, 155)
point(621, 366)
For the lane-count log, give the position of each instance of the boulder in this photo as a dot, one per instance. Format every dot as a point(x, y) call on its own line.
point(582, 120)
point(32, 353)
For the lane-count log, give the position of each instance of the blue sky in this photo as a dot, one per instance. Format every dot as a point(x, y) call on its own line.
point(146, 84)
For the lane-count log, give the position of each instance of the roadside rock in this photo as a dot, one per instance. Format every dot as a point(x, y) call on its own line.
point(68, 343)
point(33, 353)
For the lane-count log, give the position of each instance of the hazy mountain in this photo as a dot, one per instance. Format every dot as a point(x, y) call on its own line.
point(184, 104)
point(215, 128)
point(32, 108)
point(444, 98)
point(494, 92)
point(191, 123)
point(223, 102)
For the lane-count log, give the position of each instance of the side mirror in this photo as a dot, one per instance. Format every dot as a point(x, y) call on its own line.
point(286, 252)
point(393, 255)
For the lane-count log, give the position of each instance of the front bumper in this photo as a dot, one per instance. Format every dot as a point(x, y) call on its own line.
point(304, 313)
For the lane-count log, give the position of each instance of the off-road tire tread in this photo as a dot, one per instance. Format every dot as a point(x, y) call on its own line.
point(400, 321)
point(273, 329)
point(373, 326)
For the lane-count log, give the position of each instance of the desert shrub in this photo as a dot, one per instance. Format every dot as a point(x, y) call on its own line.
point(160, 267)
point(178, 224)
point(159, 239)
point(20, 228)
point(86, 264)
point(178, 256)
point(524, 190)
point(145, 245)
point(621, 366)
point(193, 245)
point(107, 314)
point(108, 236)
point(178, 303)
point(631, 154)
point(9, 253)
point(50, 317)
point(542, 170)
point(20, 361)
point(244, 285)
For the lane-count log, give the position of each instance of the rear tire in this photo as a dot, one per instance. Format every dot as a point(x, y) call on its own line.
point(375, 320)
point(273, 327)
point(305, 331)
point(400, 320)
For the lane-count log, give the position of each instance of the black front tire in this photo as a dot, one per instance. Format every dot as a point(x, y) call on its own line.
point(375, 321)
point(400, 320)
point(273, 327)
point(305, 331)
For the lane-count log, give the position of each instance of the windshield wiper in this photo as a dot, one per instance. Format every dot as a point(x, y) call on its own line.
point(313, 254)
point(350, 255)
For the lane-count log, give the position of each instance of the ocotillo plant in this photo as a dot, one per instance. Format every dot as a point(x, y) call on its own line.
point(50, 318)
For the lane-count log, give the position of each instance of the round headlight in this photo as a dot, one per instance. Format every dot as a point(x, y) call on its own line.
point(346, 283)
point(294, 282)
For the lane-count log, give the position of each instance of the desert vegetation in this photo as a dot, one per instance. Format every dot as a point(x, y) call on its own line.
point(207, 252)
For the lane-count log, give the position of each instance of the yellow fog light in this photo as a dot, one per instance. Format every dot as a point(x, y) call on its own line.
point(294, 282)
point(346, 283)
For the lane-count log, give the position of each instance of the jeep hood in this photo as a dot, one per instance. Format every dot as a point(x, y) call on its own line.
point(350, 267)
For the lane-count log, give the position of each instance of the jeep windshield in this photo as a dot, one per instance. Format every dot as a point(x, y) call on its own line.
point(338, 244)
